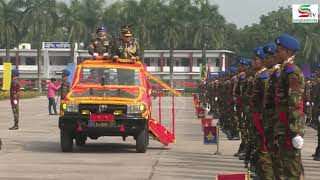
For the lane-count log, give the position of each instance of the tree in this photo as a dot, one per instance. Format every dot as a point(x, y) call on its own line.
point(10, 13)
point(72, 23)
point(40, 18)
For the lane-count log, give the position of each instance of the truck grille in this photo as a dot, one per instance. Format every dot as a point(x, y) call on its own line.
point(102, 108)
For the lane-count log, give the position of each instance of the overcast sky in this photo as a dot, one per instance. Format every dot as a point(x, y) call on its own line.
point(247, 12)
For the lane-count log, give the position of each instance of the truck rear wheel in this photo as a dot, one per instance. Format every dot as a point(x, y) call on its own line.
point(66, 141)
point(142, 141)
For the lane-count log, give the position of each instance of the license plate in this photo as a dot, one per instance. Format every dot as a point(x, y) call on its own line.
point(101, 124)
point(102, 117)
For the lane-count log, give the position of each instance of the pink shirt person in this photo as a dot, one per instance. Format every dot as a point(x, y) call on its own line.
point(52, 88)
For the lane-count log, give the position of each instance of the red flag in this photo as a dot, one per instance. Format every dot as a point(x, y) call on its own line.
point(232, 177)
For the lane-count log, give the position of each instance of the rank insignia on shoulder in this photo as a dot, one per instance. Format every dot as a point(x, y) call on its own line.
point(289, 68)
point(264, 75)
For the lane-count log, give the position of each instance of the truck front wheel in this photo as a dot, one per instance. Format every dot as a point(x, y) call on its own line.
point(66, 141)
point(142, 141)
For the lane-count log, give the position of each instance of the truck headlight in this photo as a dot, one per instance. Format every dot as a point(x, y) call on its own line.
point(70, 107)
point(135, 109)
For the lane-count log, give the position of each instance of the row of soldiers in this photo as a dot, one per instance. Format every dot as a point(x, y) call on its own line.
point(263, 99)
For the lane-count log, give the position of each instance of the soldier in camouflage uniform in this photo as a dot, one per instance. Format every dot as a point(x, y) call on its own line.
point(316, 111)
point(14, 98)
point(289, 130)
point(65, 86)
point(270, 117)
point(260, 83)
point(241, 99)
point(127, 47)
point(231, 104)
point(307, 100)
point(102, 45)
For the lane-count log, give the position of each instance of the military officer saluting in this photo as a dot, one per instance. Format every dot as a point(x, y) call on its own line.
point(14, 97)
point(289, 130)
point(102, 45)
point(127, 47)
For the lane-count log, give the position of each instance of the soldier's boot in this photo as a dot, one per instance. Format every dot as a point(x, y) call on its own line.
point(239, 150)
point(235, 135)
point(317, 151)
point(14, 127)
point(242, 154)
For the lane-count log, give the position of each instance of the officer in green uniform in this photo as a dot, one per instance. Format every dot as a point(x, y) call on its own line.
point(316, 111)
point(14, 97)
point(101, 45)
point(260, 83)
point(289, 130)
point(270, 117)
point(65, 86)
point(126, 47)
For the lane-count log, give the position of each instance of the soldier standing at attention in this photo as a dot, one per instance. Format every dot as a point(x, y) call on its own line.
point(308, 100)
point(65, 85)
point(289, 130)
point(270, 117)
point(14, 97)
point(260, 83)
point(316, 111)
point(101, 45)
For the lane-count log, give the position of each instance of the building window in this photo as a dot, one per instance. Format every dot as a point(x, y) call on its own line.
point(185, 62)
point(147, 61)
point(30, 61)
point(217, 62)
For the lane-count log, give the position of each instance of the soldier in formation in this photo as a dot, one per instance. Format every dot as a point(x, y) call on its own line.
point(263, 100)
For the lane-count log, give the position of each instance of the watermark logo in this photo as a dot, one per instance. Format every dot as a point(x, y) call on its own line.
point(305, 13)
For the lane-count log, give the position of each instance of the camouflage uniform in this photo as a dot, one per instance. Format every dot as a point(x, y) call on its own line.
point(316, 113)
point(65, 87)
point(14, 100)
point(270, 119)
point(308, 101)
point(101, 45)
point(126, 51)
point(233, 107)
point(241, 99)
point(291, 118)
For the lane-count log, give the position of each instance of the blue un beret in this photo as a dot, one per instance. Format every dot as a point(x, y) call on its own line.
point(288, 42)
point(270, 48)
point(14, 72)
point(245, 61)
point(259, 53)
point(232, 69)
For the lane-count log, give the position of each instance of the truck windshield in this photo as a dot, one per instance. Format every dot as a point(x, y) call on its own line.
point(109, 76)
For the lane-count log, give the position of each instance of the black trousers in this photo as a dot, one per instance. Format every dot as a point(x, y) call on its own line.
point(53, 103)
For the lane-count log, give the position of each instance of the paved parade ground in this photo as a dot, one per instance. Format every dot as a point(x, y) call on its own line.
point(33, 152)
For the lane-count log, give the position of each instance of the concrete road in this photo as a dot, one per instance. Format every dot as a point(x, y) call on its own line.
point(33, 152)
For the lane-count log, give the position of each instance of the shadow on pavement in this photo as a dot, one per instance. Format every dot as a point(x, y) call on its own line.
point(54, 147)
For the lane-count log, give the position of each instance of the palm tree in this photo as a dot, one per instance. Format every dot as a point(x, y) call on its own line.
point(40, 18)
point(174, 28)
point(9, 21)
point(71, 23)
